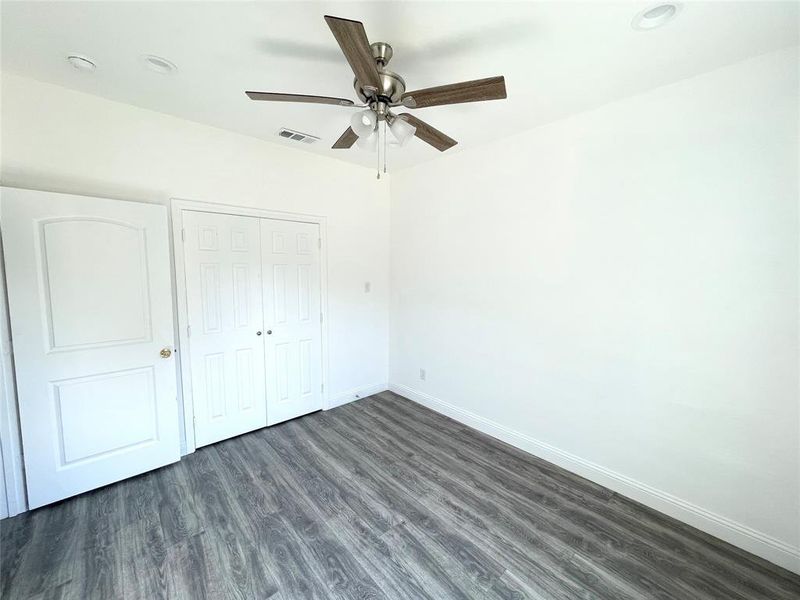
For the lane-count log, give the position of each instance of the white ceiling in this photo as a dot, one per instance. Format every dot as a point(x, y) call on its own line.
point(558, 57)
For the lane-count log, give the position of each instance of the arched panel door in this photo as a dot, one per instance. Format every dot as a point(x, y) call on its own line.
point(92, 327)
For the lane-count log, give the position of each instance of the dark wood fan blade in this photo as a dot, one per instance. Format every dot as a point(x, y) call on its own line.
point(354, 44)
point(346, 140)
point(429, 134)
point(277, 97)
point(493, 88)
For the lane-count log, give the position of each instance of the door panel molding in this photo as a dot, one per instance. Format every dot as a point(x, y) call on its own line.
point(73, 443)
point(46, 256)
point(177, 207)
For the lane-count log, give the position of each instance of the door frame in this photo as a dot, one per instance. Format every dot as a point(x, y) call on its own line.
point(11, 464)
point(177, 206)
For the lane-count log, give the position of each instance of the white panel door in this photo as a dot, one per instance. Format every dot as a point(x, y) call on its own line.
point(91, 311)
point(292, 317)
point(226, 345)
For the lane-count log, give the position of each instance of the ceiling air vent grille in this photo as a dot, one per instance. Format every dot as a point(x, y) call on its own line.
point(291, 134)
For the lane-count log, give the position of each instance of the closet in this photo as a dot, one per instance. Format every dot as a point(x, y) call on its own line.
point(254, 321)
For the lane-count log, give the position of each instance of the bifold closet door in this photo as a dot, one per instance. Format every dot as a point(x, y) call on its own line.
point(226, 342)
point(292, 317)
point(92, 323)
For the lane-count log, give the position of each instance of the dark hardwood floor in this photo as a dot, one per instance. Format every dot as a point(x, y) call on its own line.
point(376, 499)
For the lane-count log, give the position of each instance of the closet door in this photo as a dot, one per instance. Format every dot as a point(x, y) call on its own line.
point(226, 347)
point(292, 318)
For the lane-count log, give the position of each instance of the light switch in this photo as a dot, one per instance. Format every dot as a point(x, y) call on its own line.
point(367, 287)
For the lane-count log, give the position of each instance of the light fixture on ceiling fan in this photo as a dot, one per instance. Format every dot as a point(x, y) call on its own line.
point(365, 124)
point(380, 90)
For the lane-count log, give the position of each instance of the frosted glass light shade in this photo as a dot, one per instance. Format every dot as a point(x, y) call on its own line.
point(368, 142)
point(363, 123)
point(402, 130)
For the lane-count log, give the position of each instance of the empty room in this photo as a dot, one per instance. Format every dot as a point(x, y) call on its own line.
point(405, 300)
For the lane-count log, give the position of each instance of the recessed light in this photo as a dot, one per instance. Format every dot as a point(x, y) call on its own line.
point(158, 64)
point(655, 16)
point(81, 63)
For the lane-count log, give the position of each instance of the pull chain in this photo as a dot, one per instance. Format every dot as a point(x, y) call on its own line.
point(381, 145)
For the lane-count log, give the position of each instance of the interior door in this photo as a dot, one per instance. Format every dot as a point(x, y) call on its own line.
point(92, 327)
point(292, 309)
point(226, 343)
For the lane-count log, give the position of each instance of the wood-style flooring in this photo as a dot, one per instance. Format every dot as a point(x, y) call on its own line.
point(380, 498)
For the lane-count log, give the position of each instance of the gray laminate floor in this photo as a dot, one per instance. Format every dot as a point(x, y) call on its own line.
point(377, 499)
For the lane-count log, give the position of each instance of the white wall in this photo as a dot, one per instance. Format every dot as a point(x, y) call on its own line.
point(618, 292)
point(56, 139)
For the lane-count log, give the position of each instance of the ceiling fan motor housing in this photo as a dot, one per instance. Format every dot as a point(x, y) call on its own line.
point(392, 85)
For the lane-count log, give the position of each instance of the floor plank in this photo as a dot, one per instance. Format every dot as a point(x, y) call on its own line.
point(380, 498)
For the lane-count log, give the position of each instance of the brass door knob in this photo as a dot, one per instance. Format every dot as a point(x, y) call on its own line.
point(166, 353)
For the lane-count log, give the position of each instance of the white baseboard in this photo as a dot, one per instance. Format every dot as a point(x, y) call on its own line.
point(744, 537)
point(355, 394)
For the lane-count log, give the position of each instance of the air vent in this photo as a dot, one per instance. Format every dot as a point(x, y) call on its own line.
point(291, 134)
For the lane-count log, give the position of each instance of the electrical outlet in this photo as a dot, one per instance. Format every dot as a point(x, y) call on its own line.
point(422, 374)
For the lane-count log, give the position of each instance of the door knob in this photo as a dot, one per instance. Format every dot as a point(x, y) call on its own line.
point(269, 331)
point(165, 353)
point(258, 333)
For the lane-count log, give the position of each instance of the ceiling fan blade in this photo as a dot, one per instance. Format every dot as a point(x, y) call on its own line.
point(492, 88)
point(354, 44)
point(429, 134)
point(278, 97)
point(346, 140)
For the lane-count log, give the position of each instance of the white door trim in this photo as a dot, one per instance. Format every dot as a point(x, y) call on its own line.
point(177, 206)
point(11, 450)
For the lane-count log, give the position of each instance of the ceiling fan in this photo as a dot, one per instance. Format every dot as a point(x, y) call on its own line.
point(381, 90)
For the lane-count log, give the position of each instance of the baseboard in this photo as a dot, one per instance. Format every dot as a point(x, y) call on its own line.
point(355, 394)
point(744, 537)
